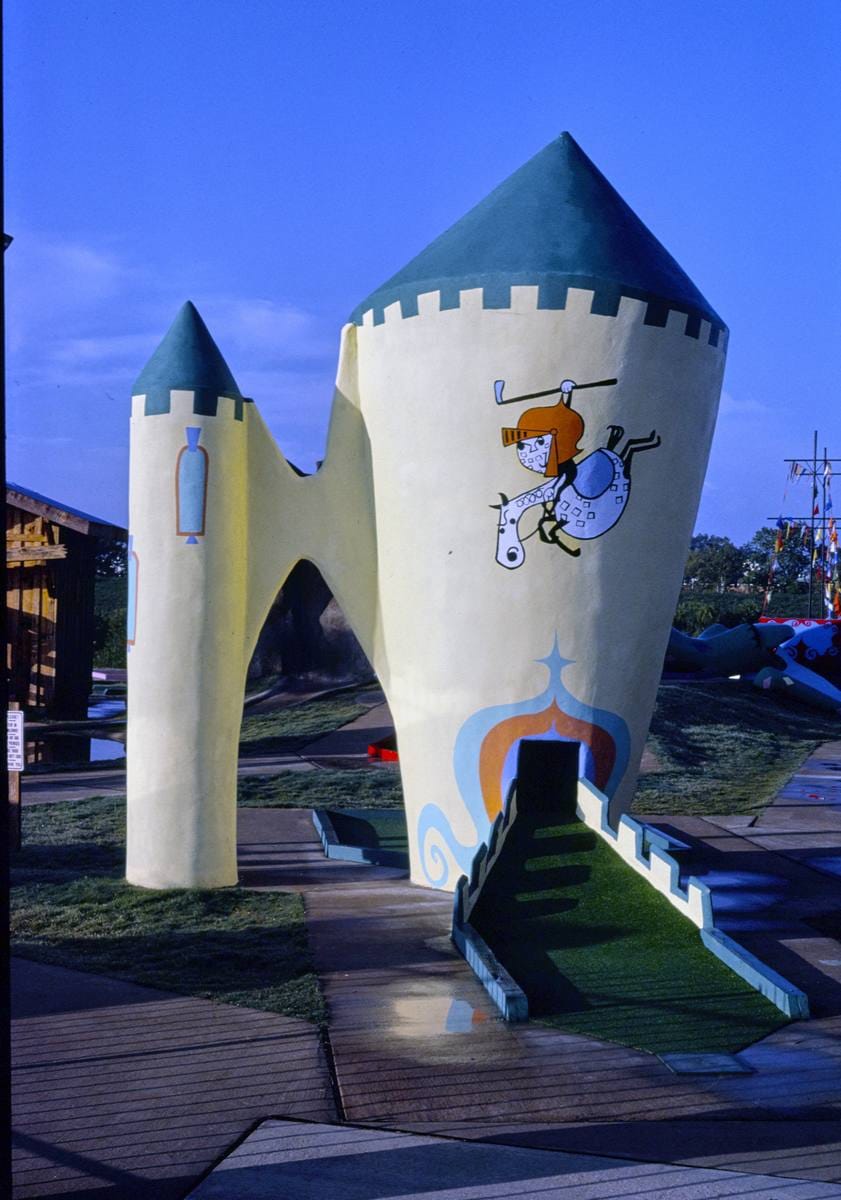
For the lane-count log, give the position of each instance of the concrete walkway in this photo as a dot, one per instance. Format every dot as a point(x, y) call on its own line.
point(417, 1046)
point(283, 1160)
point(126, 1093)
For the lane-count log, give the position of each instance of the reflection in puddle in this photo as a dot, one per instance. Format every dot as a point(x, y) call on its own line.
point(736, 894)
point(106, 708)
point(66, 749)
point(742, 891)
point(777, 1065)
point(462, 1017)
point(416, 1015)
point(831, 863)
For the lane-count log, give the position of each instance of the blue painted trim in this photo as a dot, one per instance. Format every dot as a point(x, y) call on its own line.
point(367, 855)
point(552, 294)
point(205, 403)
point(787, 998)
point(505, 992)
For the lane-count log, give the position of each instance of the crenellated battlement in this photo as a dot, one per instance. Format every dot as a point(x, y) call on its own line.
point(183, 403)
point(601, 299)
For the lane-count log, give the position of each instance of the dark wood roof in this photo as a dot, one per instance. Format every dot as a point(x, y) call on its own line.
point(60, 514)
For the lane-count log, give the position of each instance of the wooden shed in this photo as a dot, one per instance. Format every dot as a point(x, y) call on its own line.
point(51, 565)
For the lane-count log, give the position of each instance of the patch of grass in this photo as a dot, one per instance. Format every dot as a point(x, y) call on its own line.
point(71, 907)
point(725, 748)
point(287, 729)
point(358, 787)
point(599, 952)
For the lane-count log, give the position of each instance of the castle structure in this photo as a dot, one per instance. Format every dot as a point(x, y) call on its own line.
point(519, 435)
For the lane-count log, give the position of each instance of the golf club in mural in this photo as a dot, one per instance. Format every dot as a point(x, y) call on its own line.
point(550, 287)
point(584, 499)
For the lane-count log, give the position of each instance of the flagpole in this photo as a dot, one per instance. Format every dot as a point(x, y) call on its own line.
point(812, 523)
point(824, 557)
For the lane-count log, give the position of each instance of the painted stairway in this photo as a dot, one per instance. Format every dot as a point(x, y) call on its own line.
point(565, 919)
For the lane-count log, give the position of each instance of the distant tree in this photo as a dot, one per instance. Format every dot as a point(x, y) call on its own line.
point(714, 564)
point(696, 611)
point(793, 562)
point(109, 640)
point(110, 558)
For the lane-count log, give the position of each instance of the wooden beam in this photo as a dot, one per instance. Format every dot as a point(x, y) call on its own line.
point(23, 554)
point(40, 506)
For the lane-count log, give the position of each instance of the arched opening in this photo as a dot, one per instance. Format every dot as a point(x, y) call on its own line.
point(315, 737)
point(306, 636)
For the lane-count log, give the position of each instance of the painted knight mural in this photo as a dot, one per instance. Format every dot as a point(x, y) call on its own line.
point(484, 628)
point(585, 495)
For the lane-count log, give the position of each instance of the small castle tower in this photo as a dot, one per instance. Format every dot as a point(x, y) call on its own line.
point(187, 657)
point(218, 519)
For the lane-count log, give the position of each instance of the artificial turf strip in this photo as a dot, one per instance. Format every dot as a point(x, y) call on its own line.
point(725, 747)
point(369, 828)
point(71, 907)
point(599, 952)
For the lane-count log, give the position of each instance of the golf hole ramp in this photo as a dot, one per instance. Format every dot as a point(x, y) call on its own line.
point(572, 923)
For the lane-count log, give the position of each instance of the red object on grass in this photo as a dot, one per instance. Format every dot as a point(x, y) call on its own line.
point(385, 749)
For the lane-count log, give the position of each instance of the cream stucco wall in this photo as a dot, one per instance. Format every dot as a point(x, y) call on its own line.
point(399, 521)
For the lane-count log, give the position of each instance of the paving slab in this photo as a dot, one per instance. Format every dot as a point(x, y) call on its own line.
point(792, 1149)
point(284, 1159)
point(123, 1092)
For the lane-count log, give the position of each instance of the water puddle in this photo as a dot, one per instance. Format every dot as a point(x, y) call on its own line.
point(110, 706)
point(414, 1016)
point(68, 749)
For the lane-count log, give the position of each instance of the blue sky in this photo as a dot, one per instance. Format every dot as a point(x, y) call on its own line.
point(276, 161)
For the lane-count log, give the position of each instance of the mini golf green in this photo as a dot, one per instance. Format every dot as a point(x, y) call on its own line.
point(598, 951)
point(371, 828)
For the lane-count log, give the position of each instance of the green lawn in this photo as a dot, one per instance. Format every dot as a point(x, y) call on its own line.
point(71, 907)
point(357, 787)
point(599, 952)
point(726, 747)
point(287, 729)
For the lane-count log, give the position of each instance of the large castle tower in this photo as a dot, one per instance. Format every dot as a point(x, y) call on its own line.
point(539, 387)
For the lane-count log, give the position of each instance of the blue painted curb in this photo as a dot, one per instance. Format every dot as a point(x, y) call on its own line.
point(505, 992)
point(788, 998)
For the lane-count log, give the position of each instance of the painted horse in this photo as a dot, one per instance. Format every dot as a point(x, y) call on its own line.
point(583, 507)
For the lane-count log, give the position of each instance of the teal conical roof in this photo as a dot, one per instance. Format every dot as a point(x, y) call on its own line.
point(188, 359)
point(555, 223)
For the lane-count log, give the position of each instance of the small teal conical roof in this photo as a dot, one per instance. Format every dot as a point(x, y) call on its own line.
point(555, 223)
point(188, 359)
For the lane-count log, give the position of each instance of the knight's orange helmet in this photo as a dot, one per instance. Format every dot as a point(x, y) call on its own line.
point(564, 425)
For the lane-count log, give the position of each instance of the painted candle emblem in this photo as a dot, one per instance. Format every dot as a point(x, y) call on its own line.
point(133, 569)
point(191, 471)
point(584, 495)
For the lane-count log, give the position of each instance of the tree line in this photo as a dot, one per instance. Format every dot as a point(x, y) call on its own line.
point(722, 583)
point(725, 584)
